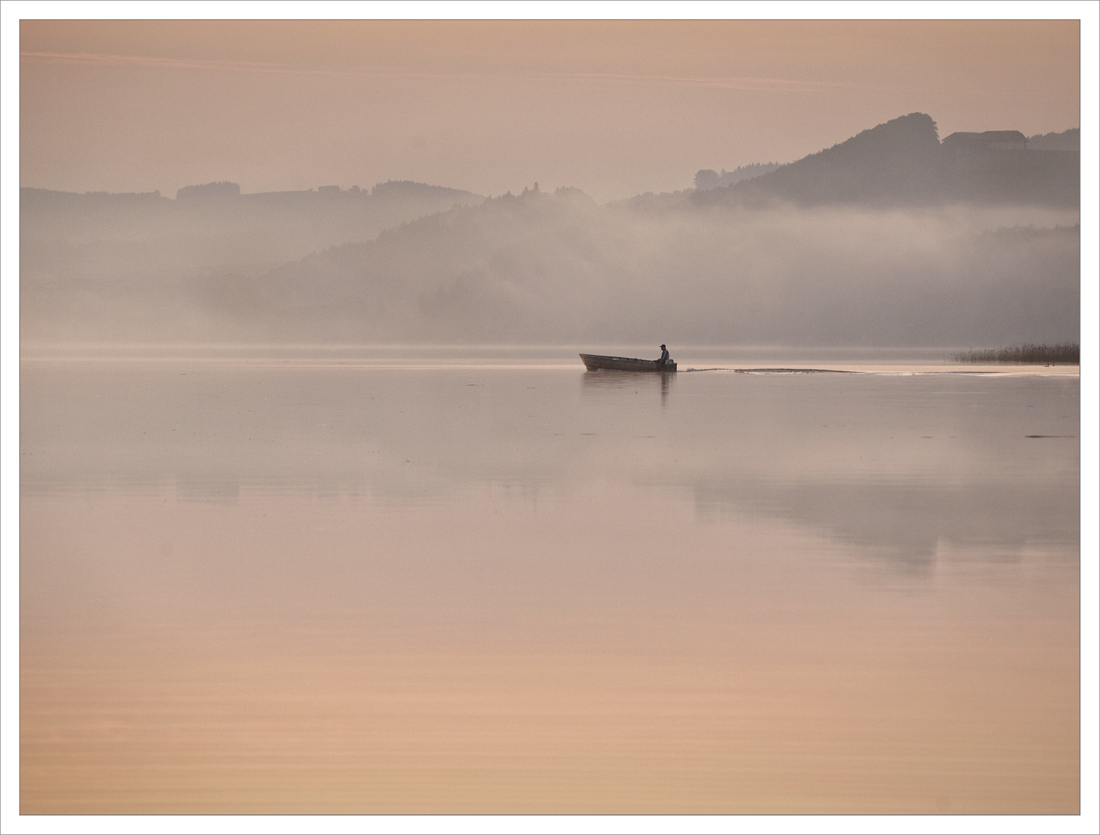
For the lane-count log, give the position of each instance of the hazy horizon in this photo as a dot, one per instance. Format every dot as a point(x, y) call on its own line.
point(533, 181)
point(614, 108)
point(311, 506)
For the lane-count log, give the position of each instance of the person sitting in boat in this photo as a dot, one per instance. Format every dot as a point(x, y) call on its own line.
point(664, 356)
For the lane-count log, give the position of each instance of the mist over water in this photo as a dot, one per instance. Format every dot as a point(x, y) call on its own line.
point(336, 580)
point(887, 239)
point(321, 513)
point(550, 268)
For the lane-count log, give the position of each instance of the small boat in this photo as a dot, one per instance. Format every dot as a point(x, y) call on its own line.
point(595, 362)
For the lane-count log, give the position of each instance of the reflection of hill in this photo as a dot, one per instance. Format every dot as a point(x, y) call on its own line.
point(907, 522)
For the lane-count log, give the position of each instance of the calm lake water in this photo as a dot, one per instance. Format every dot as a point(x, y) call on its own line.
point(414, 581)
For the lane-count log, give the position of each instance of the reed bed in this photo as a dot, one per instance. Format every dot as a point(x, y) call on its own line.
point(1068, 353)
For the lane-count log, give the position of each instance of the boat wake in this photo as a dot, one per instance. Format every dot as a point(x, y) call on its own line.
point(776, 370)
point(902, 371)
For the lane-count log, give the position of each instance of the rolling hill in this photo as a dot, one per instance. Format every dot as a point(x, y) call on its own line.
point(887, 239)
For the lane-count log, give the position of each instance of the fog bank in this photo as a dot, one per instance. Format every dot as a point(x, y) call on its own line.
point(891, 238)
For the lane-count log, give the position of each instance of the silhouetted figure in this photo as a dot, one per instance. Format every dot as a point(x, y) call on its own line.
point(664, 357)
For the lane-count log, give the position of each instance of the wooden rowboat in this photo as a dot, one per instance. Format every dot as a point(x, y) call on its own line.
point(595, 362)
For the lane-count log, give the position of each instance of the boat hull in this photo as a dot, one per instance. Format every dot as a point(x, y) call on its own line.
point(596, 362)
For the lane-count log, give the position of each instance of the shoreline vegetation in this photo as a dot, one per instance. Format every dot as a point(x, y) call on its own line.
point(1068, 353)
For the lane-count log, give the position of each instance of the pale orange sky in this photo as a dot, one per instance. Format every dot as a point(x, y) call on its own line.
point(615, 108)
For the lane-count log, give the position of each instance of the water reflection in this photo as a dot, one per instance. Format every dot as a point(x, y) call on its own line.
point(892, 464)
point(907, 524)
point(207, 488)
point(594, 382)
point(464, 587)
